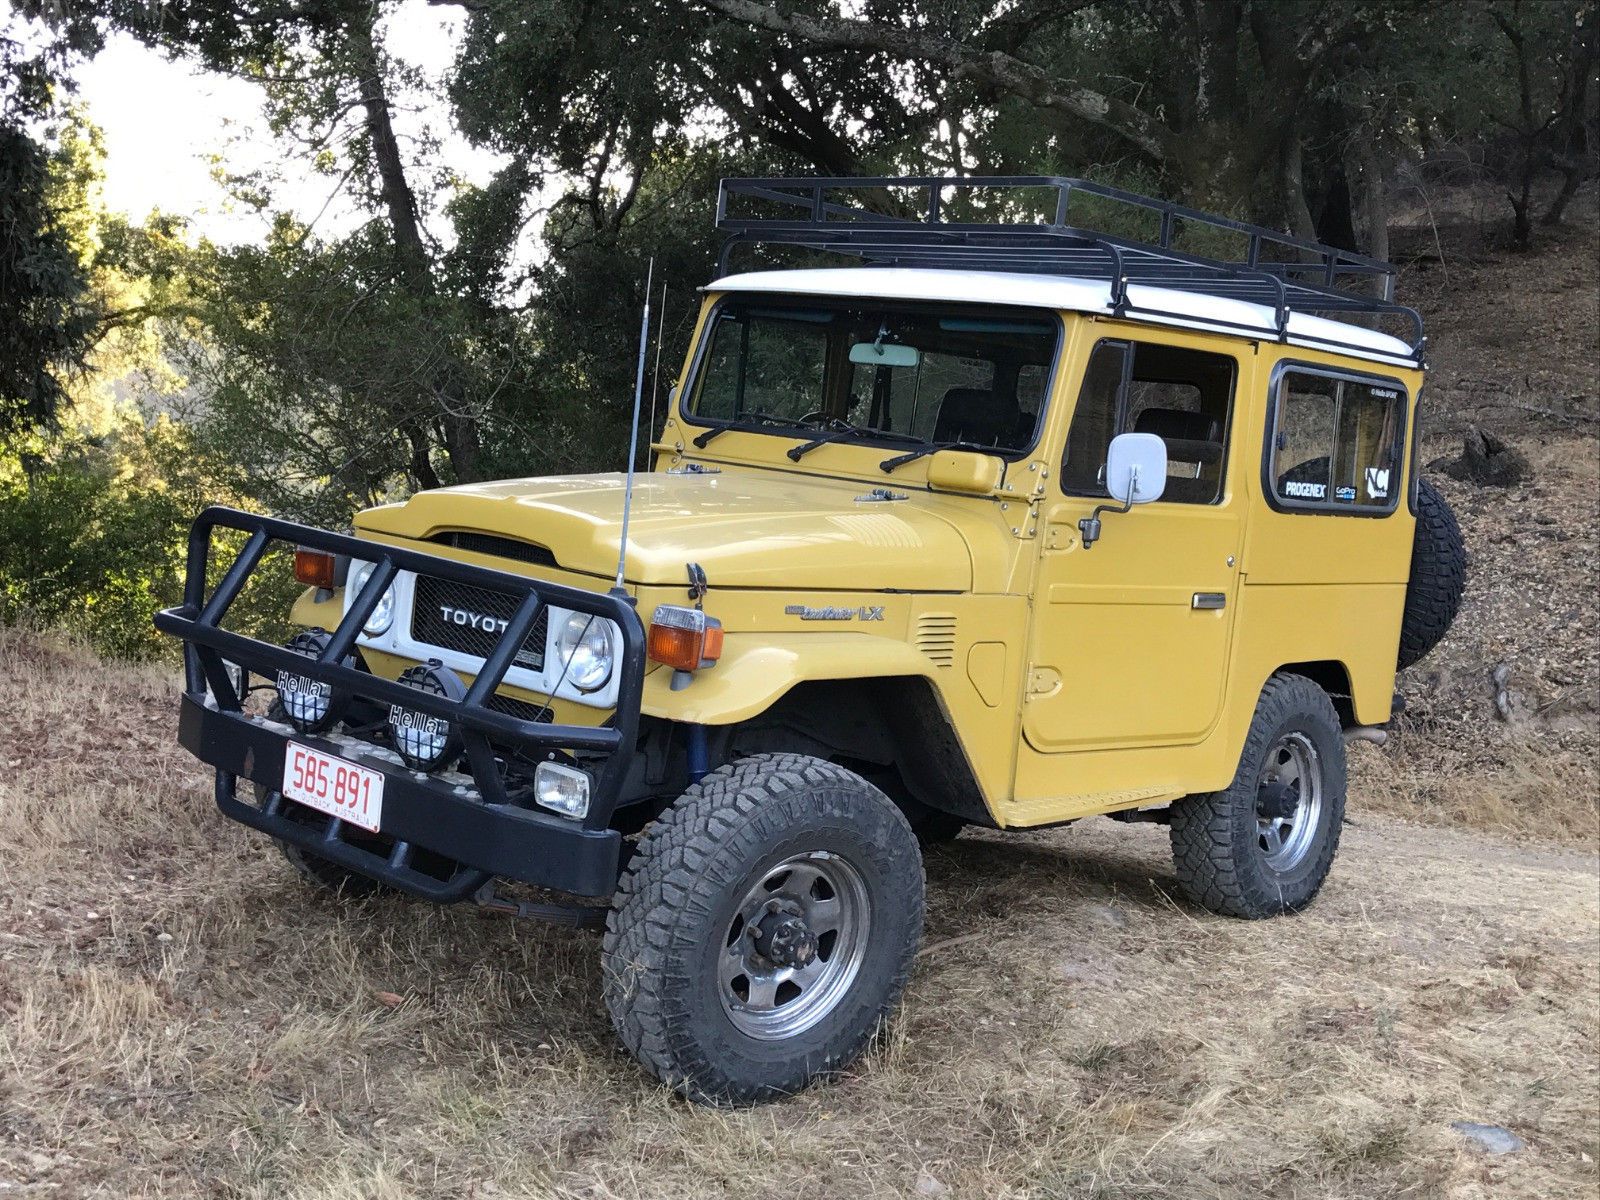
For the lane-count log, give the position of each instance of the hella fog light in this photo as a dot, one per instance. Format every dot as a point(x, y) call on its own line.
point(562, 788)
point(383, 612)
point(310, 704)
point(583, 648)
point(425, 741)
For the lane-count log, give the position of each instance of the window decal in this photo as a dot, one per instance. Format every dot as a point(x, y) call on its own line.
point(1336, 443)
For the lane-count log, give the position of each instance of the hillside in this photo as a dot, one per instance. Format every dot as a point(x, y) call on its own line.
point(1514, 348)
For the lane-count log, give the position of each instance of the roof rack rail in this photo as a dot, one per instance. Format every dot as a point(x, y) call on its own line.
point(902, 221)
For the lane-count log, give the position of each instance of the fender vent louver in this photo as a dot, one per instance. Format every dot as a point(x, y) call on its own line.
point(936, 637)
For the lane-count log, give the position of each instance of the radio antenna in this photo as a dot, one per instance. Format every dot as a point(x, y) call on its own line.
point(633, 433)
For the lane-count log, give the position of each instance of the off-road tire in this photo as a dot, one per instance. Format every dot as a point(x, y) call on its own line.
point(670, 919)
point(1438, 576)
point(1215, 847)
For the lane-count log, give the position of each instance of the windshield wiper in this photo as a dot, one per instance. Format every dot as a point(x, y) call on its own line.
point(743, 421)
point(890, 465)
point(842, 431)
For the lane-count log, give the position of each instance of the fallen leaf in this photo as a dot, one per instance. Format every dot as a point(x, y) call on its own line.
point(389, 999)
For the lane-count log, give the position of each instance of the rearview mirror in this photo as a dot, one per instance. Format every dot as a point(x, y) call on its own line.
point(1136, 473)
point(876, 354)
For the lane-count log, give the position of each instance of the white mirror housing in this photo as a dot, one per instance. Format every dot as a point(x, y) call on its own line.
point(1136, 468)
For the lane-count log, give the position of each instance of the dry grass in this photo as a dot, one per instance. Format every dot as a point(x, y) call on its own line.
point(182, 1018)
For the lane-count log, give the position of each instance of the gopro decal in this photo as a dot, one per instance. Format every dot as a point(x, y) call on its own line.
point(1344, 493)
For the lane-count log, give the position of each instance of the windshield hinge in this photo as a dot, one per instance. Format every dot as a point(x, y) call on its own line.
point(1022, 515)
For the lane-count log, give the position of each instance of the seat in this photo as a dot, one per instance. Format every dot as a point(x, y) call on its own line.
point(1191, 437)
point(978, 416)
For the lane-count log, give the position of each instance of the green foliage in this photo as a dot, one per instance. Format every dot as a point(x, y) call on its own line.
point(93, 536)
point(444, 332)
point(47, 319)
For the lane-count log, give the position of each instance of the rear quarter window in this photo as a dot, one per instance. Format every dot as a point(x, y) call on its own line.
point(1337, 444)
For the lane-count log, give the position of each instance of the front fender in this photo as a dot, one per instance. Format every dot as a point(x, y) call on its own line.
point(758, 668)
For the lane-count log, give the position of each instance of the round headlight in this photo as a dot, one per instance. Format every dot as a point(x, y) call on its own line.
point(310, 704)
point(383, 612)
point(583, 648)
point(425, 741)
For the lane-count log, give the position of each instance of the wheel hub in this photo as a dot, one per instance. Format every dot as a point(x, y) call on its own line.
point(785, 939)
point(1289, 801)
point(795, 942)
point(1277, 801)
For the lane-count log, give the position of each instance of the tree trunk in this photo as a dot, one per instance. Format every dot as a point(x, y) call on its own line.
point(1574, 153)
point(415, 268)
point(398, 198)
point(1522, 206)
point(1293, 182)
point(1370, 201)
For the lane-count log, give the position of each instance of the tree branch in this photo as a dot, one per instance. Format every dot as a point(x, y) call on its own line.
point(995, 68)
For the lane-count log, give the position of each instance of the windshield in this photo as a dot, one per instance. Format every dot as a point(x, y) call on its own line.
point(896, 372)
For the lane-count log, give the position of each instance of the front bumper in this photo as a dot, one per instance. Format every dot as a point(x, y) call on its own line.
point(441, 838)
point(420, 812)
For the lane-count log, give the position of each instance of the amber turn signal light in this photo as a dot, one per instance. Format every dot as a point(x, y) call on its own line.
point(684, 638)
point(314, 568)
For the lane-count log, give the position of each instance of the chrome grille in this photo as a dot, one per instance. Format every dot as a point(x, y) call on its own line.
point(431, 626)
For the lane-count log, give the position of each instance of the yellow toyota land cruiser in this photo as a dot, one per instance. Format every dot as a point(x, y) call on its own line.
point(1007, 523)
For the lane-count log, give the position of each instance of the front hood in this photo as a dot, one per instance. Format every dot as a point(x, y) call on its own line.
point(747, 529)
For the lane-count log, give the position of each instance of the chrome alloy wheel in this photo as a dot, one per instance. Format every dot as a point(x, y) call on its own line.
point(794, 946)
point(1289, 802)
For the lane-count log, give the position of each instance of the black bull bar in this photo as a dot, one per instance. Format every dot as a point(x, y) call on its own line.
point(488, 833)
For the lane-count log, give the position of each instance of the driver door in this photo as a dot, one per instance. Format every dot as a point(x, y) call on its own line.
point(1131, 637)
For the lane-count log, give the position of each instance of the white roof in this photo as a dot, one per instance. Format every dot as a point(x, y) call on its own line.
point(1189, 309)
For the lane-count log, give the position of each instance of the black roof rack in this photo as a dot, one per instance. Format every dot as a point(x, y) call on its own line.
point(903, 221)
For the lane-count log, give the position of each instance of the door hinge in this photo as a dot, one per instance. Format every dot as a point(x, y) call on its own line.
point(1043, 681)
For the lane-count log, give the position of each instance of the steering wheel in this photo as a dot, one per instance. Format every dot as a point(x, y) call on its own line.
point(823, 420)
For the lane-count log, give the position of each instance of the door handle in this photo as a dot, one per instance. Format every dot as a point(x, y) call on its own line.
point(1209, 600)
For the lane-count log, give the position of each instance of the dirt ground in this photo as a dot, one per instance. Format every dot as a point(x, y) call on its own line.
point(181, 1017)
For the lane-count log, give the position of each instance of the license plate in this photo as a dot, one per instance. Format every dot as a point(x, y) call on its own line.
point(333, 785)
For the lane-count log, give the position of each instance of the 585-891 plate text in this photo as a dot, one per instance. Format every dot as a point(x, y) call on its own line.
point(333, 785)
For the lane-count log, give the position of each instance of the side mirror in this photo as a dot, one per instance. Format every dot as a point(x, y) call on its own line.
point(1136, 468)
point(1136, 473)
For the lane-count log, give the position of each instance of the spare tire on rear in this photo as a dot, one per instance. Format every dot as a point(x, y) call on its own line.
point(1438, 576)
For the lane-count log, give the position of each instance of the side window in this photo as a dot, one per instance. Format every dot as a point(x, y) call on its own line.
point(1184, 397)
point(1338, 443)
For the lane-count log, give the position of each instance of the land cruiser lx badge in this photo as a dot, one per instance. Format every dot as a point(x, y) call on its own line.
point(805, 613)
